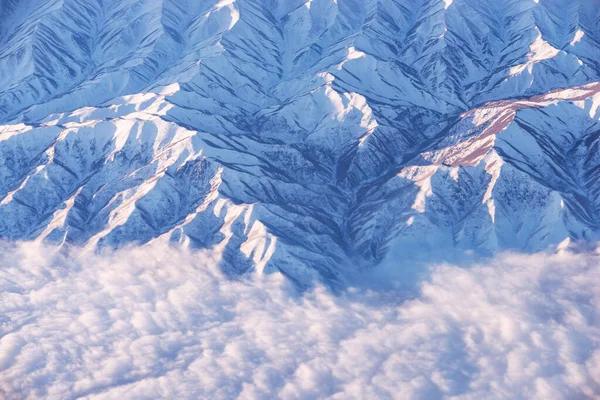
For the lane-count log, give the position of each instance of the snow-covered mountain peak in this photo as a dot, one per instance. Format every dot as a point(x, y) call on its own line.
point(301, 136)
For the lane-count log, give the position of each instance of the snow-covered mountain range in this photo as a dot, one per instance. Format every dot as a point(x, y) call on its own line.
point(315, 138)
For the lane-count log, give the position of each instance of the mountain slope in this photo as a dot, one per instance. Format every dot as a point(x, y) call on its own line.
point(315, 138)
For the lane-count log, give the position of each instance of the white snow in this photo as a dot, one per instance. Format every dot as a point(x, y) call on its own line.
point(493, 166)
point(273, 130)
point(577, 38)
point(539, 50)
point(353, 54)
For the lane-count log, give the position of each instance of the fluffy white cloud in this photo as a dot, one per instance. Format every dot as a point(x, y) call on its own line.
point(153, 322)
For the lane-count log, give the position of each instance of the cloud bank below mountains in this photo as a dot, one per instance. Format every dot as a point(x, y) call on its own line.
point(154, 322)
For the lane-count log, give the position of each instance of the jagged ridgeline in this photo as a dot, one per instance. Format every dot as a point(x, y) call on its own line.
point(312, 137)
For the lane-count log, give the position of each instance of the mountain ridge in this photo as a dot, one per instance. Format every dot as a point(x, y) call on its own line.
point(313, 138)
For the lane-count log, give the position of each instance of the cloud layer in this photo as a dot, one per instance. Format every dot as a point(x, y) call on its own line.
point(154, 322)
